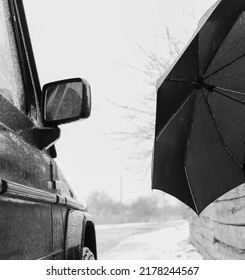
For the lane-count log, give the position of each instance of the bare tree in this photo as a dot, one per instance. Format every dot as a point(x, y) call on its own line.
point(142, 116)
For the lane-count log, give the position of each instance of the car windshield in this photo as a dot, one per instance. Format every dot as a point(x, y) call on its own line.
point(11, 85)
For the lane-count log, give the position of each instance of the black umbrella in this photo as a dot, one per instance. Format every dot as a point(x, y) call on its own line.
point(200, 118)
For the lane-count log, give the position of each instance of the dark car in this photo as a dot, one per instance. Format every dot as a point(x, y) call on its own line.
point(40, 217)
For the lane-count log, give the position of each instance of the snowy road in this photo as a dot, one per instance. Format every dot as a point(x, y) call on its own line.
point(169, 240)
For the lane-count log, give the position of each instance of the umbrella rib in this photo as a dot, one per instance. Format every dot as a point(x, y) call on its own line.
point(177, 81)
point(217, 128)
point(170, 120)
point(227, 65)
point(231, 49)
point(227, 96)
point(185, 156)
point(190, 131)
point(231, 91)
point(189, 185)
point(198, 84)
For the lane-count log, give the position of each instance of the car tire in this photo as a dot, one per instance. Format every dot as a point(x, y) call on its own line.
point(87, 254)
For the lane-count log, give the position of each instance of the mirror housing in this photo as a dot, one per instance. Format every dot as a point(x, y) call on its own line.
point(66, 101)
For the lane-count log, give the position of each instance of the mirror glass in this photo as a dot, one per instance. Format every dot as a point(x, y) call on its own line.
point(63, 101)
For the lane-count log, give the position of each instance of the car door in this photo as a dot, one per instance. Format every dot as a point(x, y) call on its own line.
point(26, 190)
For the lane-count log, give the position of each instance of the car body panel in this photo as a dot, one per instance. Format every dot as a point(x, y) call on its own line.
point(40, 217)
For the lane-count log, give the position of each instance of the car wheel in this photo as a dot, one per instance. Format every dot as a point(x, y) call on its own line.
point(87, 254)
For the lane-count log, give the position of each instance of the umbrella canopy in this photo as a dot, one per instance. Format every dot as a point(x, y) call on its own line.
point(200, 119)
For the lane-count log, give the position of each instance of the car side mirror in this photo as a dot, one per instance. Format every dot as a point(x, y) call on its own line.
point(66, 101)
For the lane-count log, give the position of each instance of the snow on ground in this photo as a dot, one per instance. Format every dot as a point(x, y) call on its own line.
point(169, 243)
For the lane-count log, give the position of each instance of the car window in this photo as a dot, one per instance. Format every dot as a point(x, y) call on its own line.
point(11, 84)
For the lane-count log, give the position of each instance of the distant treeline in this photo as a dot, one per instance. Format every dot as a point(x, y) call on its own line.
point(144, 209)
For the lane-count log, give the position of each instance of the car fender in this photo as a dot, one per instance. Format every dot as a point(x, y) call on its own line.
point(80, 232)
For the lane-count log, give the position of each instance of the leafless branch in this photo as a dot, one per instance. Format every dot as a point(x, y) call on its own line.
point(142, 116)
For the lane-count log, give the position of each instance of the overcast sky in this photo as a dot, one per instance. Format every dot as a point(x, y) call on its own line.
point(94, 39)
